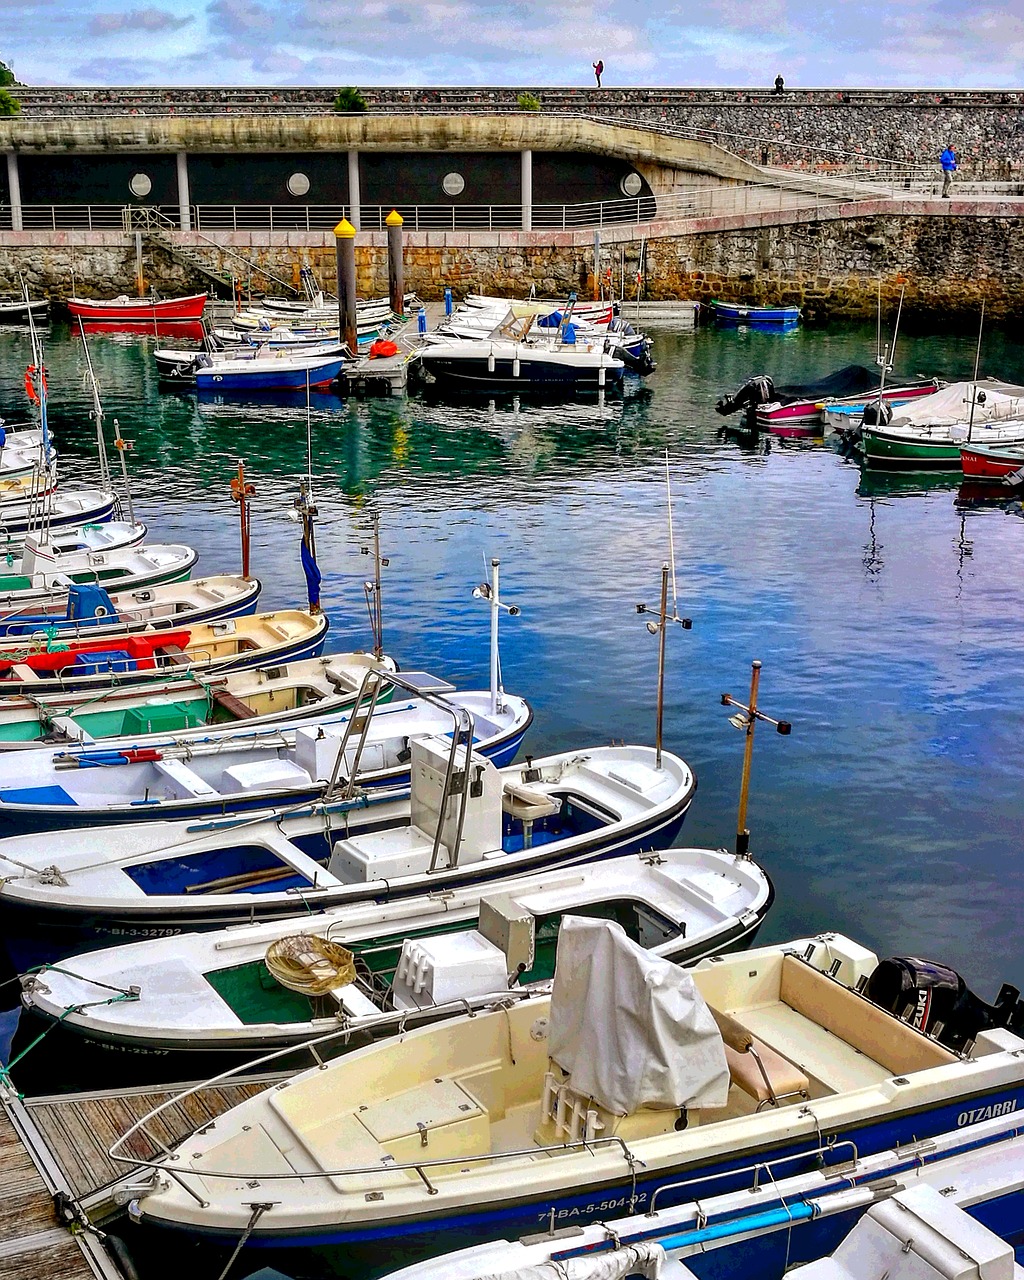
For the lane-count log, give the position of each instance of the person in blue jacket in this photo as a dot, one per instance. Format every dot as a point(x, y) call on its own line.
point(948, 162)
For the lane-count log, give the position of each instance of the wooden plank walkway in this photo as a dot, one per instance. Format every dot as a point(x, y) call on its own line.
point(80, 1128)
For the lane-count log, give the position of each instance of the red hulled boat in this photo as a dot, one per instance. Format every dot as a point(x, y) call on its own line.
point(1003, 464)
point(138, 310)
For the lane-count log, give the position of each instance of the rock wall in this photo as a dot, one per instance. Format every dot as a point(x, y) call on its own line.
point(832, 266)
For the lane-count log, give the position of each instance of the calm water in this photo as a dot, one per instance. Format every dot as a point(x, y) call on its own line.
point(889, 622)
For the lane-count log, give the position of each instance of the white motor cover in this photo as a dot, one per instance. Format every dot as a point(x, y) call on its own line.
point(643, 1259)
point(631, 1030)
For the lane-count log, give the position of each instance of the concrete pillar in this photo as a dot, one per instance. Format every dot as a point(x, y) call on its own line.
point(396, 263)
point(526, 160)
point(184, 198)
point(355, 199)
point(345, 252)
point(14, 189)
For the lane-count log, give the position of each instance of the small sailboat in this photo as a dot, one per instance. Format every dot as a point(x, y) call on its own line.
point(936, 1199)
point(123, 308)
point(413, 962)
point(464, 822)
point(260, 698)
point(633, 1074)
point(41, 667)
point(45, 570)
point(93, 611)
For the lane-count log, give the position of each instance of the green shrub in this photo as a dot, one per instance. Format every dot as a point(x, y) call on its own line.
point(9, 104)
point(349, 100)
point(528, 102)
point(6, 75)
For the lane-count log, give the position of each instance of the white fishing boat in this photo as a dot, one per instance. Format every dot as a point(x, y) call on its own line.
point(182, 366)
point(46, 569)
point(411, 962)
point(39, 667)
point(633, 1073)
point(108, 535)
point(91, 611)
point(949, 1185)
point(258, 698)
point(15, 310)
point(248, 770)
point(271, 370)
point(596, 312)
point(464, 822)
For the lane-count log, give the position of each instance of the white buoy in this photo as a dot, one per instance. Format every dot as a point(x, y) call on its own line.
point(600, 375)
point(515, 366)
point(490, 361)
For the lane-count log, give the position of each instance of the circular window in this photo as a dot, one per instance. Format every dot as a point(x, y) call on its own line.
point(454, 184)
point(298, 184)
point(140, 185)
point(631, 185)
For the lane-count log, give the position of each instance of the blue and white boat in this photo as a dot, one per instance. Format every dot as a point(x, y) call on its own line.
point(463, 822)
point(271, 371)
point(968, 1184)
point(734, 313)
point(636, 1074)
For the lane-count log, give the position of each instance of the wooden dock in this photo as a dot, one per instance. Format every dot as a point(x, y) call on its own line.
point(56, 1174)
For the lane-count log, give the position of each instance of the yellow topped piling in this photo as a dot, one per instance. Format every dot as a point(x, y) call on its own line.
point(345, 230)
point(394, 219)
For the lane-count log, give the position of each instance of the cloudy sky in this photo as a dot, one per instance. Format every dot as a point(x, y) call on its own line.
point(522, 42)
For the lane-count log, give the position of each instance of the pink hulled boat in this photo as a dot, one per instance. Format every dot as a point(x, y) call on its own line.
point(809, 417)
point(138, 310)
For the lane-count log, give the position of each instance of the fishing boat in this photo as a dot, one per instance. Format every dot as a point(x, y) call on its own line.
point(53, 509)
point(93, 611)
point(280, 694)
point(593, 311)
point(620, 339)
point(735, 313)
point(1002, 464)
point(44, 571)
point(777, 1220)
point(14, 310)
point(633, 1074)
point(928, 434)
point(182, 366)
point(21, 457)
point(270, 371)
point(40, 667)
point(110, 535)
point(463, 822)
point(187, 777)
point(413, 962)
point(144, 310)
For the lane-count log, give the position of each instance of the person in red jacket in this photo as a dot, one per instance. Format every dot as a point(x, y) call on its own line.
point(598, 71)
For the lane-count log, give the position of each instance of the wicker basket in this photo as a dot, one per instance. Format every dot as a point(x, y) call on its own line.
point(309, 964)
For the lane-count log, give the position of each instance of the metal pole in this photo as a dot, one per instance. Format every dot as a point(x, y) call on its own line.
point(742, 834)
point(396, 262)
point(14, 191)
point(378, 651)
point(345, 251)
point(184, 199)
point(597, 265)
point(977, 362)
point(140, 283)
point(354, 197)
point(241, 493)
point(526, 189)
point(494, 635)
point(662, 627)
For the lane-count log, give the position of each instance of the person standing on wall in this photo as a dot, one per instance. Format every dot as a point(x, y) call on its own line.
point(780, 85)
point(598, 71)
point(948, 162)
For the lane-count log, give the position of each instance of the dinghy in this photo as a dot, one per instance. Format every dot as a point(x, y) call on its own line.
point(777, 1220)
point(92, 611)
point(138, 310)
point(270, 371)
point(19, 457)
point(14, 310)
point(42, 668)
point(738, 313)
point(243, 772)
point(257, 699)
point(45, 570)
point(413, 962)
point(633, 1074)
point(465, 823)
point(1002, 464)
point(53, 510)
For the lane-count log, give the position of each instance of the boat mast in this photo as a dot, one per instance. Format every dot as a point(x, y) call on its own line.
point(124, 447)
point(745, 719)
point(489, 591)
point(373, 590)
point(241, 492)
point(306, 510)
point(977, 362)
point(97, 411)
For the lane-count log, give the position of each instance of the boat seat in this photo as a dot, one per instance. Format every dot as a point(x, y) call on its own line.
point(756, 1068)
point(235, 707)
point(175, 655)
point(526, 804)
point(183, 783)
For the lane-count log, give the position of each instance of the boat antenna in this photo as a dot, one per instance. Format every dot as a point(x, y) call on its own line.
point(97, 410)
point(671, 539)
point(242, 492)
point(977, 362)
point(746, 718)
point(124, 447)
point(659, 628)
point(489, 591)
point(37, 374)
point(878, 324)
point(309, 442)
point(306, 513)
point(373, 590)
point(896, 329)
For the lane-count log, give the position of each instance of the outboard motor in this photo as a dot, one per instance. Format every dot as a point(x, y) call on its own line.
point(877, 413)
point(936, 1000)
point(757, 390)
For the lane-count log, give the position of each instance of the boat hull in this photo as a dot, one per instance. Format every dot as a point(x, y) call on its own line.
point(992, 464)
point(139, 310)
point(475, 375)
point(886, 451)
point(270, 379)
point(735, 313)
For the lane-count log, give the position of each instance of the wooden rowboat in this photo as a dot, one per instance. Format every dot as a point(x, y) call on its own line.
point(138, 309)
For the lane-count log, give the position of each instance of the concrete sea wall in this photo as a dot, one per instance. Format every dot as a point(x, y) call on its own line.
point(946, 255)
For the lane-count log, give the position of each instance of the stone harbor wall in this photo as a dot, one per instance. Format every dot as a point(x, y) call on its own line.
point(831, 266)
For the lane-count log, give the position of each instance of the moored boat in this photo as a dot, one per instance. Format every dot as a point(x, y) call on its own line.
point(1002, 464)
point(634, 1074)
point(810, 417)
point(503, 364)
point(730, 313)
point(138, 309)
point(270, 371)
point(14, 310)
point(474, 825)
point(927, 435)
point(55, 509)
point(414, 961)
point(45, 570)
